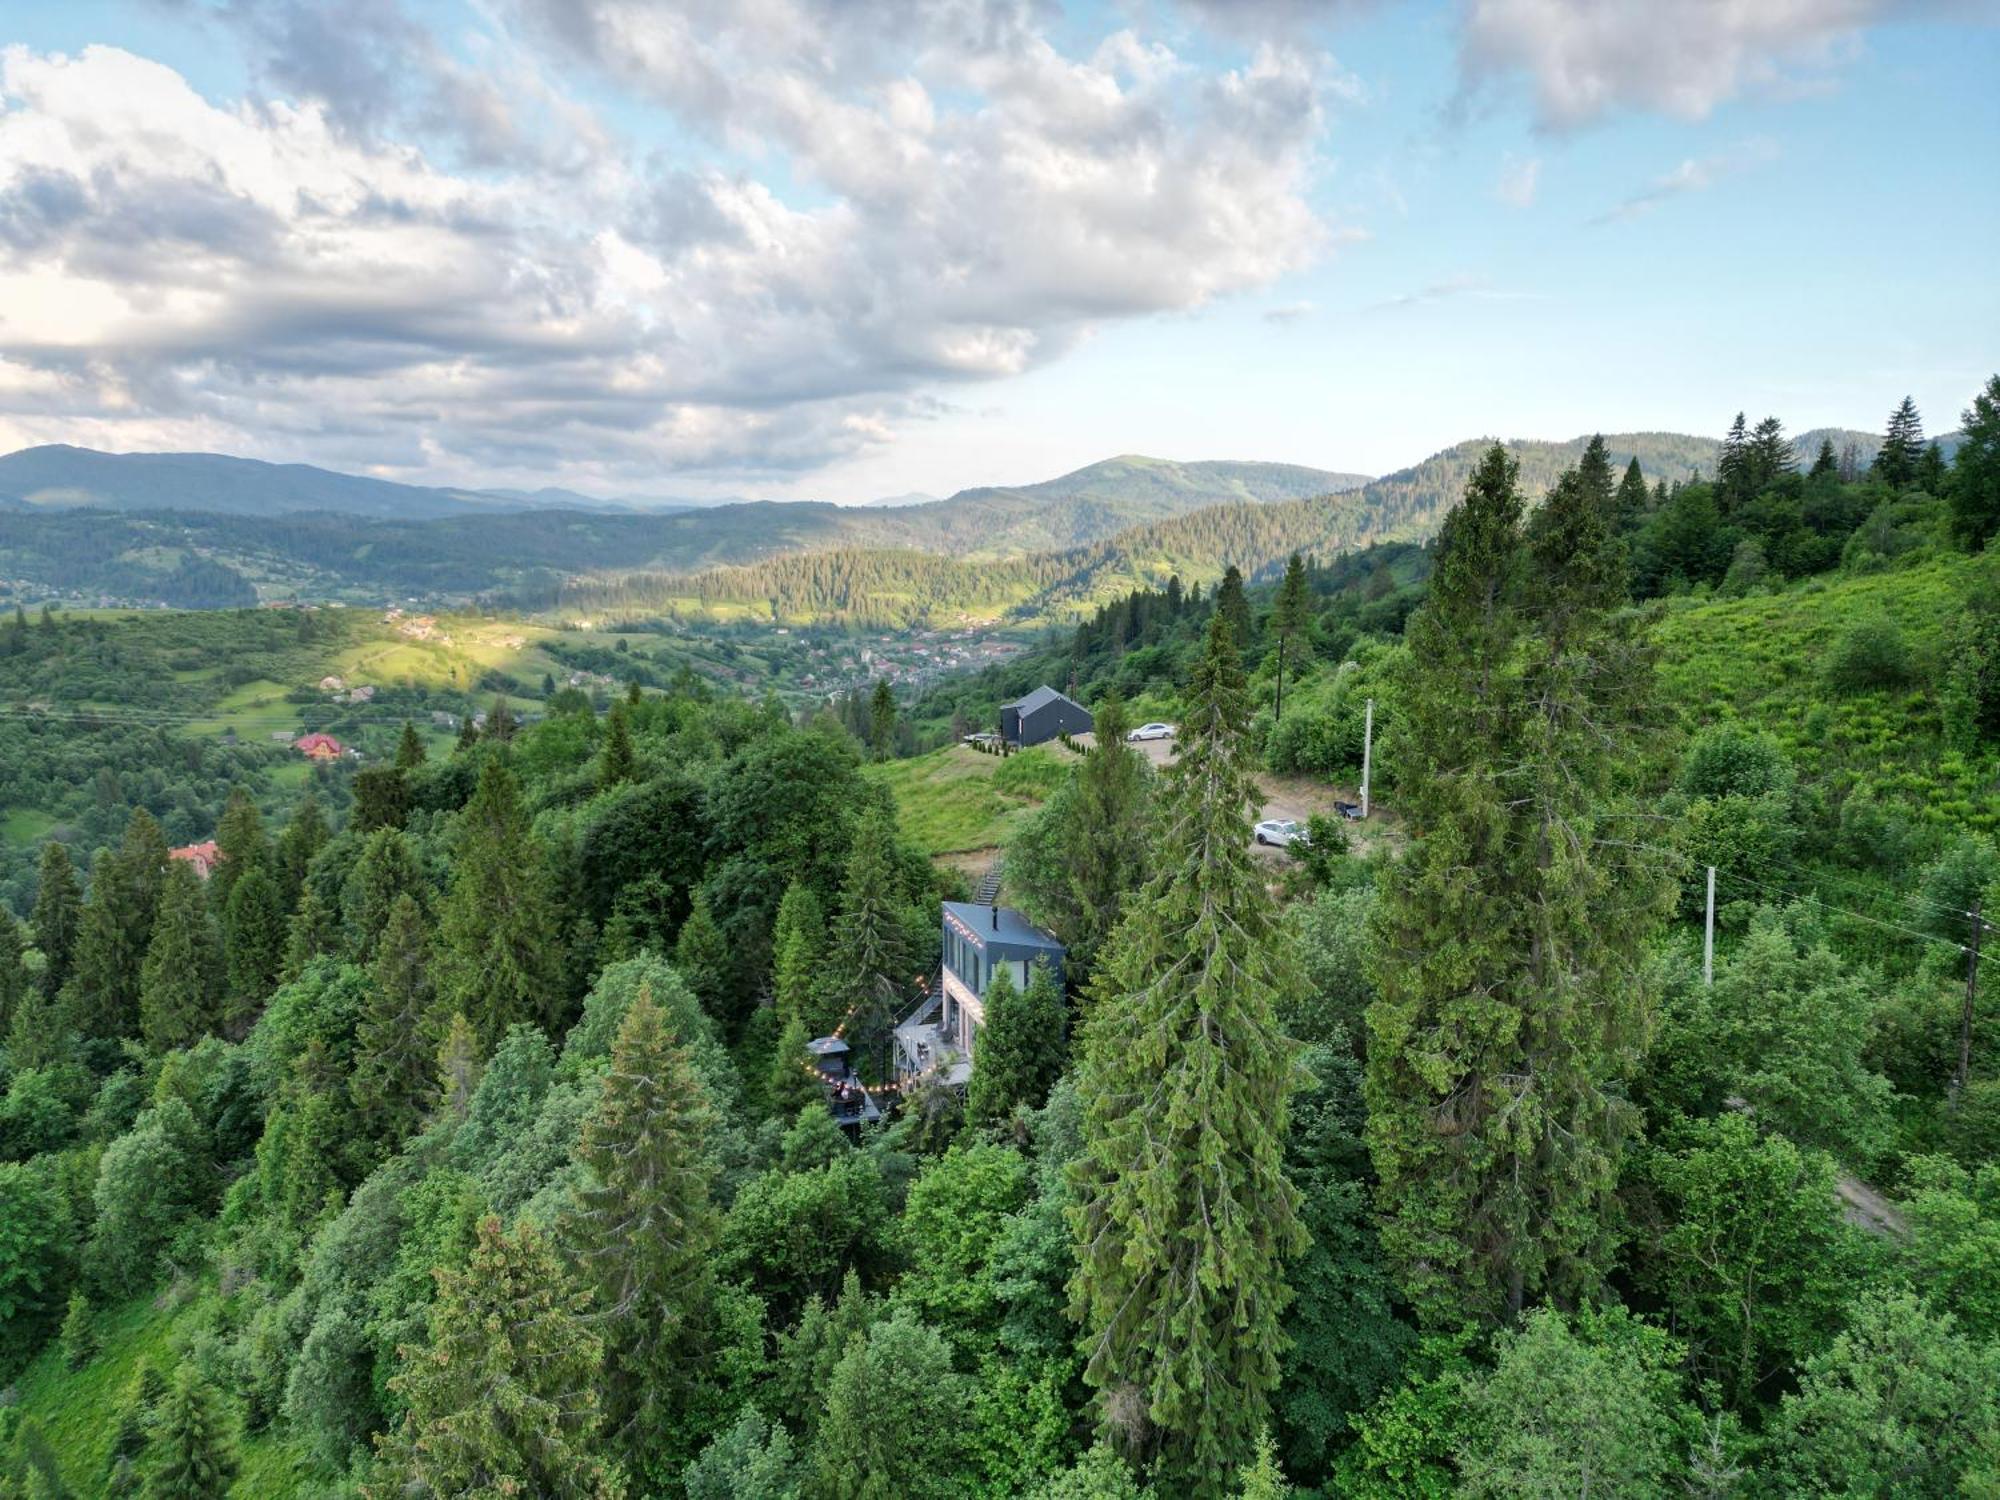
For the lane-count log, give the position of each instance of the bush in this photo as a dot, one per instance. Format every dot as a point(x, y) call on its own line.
point(1870, 657)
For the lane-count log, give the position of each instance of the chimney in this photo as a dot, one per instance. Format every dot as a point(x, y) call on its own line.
point(996, 918)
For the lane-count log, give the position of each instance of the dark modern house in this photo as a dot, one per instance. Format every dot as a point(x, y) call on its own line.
point(1042, 715)
point(942, 1034)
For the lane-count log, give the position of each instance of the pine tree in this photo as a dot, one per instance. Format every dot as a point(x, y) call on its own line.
point(643, 1230)
point(872, 952)
point(58, 910)
point(303, 838)
point(792, 1085)
point(616, 762)
point(1182, 1216)
point(389, 869)
point(394, 1082)
point(313, 933)
point(180, 983)
point(1769, 457)
point(1234, 607)
point(240, 840)
point(1732, 468)
point(1975, 487)
point(459, 1066)
point(409, 748)
point(702, 955)
point(1632, 501)
point(503, 1399)
point(1289, 619)
point(1825, 462)
point(13, 969)
point(191, 1454)
point(253, 945)
point(799, 947)
point(1509, 938)
point(1021, 1046)
point(1902, 446)
point(497, 952)
point(115, 929)
point(882, 720)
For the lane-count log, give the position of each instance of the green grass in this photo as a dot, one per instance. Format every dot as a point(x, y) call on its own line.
point(77, 1408)
point(23, 825)
point(956, 799)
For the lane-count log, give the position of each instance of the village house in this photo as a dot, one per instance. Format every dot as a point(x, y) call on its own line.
point(319, 747)
point(204, 857)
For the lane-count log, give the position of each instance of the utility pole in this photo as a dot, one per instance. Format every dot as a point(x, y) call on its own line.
point(1965, 1019)
point(1367, 754)
point(1708, 935)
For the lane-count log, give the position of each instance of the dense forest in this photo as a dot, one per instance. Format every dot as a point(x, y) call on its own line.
point(462, 1140)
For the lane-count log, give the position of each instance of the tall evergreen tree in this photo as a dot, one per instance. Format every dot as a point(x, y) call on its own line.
point(314, 932)
point(468, 735)
point(240, 840)
point(616, 761)
point(1632, 500)
point(1825, 462)
point(394, 1081)
point(790, 1086)
point(381, 800)
point(180, 981)
point(389, 869)
point(1902, 446)
point(1182, 1216)
point(498, 957)
point(1769, 457)
point(799, 949)
point(58, 910)
point(1231, 604)
point(459, 1066)
point(1509, 939)
point(1975, 487)
point(872, 955)
point(702, 955)
point(303, 838)
point(882, 719)
point(1732, 467)
point(13, 970)
point(1021, 1047)
point(190, 1453)
point(1289, 618)
point(503, 1399)
point(643, 1230)
point(410, 751)
point(253, 945)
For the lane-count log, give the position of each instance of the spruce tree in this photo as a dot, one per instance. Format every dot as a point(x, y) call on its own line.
point(1975, 486)
point(871, 955)
point(13, 969)
point(1902, 446)
point(253, 945)
point(792, 1085)
point(499, 722)
point(58, 910)
point(1511, 998)
point(799, 948)
point(1231, 604)
point(115, 929)
point(381, 800)
point(498, 958)
point(1182, 1216)
point(702, 955)
point(389, 869)
point(303, 838)
point(503, 1398)
point(240, 840)
point(1632, 500)
point(643, 1231)
point(181, 978)
point(468, 735)
point(1021, 1046)
point(882, 720)
point(459, 1066)
point(1732, 468)
point(1825, 462)
point(1770, 457)
point(313, 933)
point(616, 761)
point(1289, 619)
point(394, 1082)
point(409, 748)
point(191, 1453)
point(39, 1034)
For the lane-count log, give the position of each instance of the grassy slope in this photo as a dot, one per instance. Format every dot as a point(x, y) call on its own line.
point(77, 1408)
point(1759, 660)
point(956, 799)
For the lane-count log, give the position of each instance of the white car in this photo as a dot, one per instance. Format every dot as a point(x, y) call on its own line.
point(1282, 832)
point(1151, 732)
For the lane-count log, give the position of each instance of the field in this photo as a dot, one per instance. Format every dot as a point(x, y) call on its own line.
point(956, 800)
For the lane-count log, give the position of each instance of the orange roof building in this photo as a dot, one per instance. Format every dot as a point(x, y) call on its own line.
point(318, 747)
point(204, 857)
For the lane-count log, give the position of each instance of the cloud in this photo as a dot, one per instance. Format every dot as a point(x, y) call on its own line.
point(1585, 60)
point(844, 212)
point(1288, 313)
point(1519, 179)
point(1457, 285)
point(1694, 175)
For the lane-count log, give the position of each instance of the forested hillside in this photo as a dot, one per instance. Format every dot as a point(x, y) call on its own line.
point(463, 1137)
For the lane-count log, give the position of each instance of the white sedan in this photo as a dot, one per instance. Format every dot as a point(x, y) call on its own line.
point(1282, 832)
point(1151, 732)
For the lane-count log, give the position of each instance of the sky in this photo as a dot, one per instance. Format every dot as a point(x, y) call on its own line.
point(841, 249)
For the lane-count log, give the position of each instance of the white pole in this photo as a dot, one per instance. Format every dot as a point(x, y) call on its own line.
point(1708, 934)
point(1367, 754)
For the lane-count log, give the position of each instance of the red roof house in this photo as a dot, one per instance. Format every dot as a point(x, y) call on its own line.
point(204, 857)
point(318, 746)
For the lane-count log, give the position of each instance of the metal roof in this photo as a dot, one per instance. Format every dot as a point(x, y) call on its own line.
point(1042, 697)
point(1014, 929)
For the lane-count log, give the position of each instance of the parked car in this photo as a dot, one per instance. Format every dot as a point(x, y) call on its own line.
point(982, 737)
point(1151, 732)
point(1282, 832)
point(1348, 810)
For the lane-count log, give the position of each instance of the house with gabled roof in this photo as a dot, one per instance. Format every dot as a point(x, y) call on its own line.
point(1042, 715)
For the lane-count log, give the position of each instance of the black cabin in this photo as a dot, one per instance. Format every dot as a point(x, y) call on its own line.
point(845, 1096)
point(1042, 715)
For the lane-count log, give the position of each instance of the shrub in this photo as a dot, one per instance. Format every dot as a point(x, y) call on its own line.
point(1871, 656)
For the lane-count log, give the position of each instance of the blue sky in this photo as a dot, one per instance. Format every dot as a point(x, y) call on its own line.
point(806, 248)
